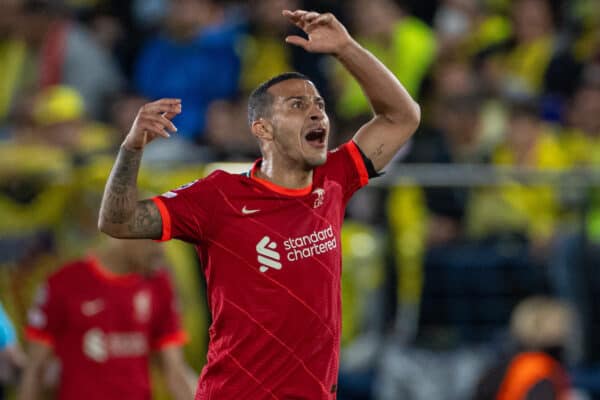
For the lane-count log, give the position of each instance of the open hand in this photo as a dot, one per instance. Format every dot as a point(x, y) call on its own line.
point(152, 120)
point(325, 33)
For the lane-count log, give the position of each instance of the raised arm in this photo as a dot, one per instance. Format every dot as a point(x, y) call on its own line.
point(122, 215)
point(396, 114)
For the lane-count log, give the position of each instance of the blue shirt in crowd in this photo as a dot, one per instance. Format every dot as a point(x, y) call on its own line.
point(7, 332)
point(198, 72)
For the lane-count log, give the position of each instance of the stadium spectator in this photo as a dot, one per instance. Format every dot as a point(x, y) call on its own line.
point(465, 27)
point(534, 368)
point(101, 316)
point(404, 43)
point(581, 136)
point(266, 26)
point(193, 58)
point(11, 357)
point(43, 47)
point(529, 210)
point(454, 136)
point(517, 65)
point(226, 133)
point(267, 337)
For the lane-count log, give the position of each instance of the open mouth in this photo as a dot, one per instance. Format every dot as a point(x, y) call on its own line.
point(316, 137)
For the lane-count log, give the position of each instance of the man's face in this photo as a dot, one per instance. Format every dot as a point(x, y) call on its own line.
point(585, 111)
point(299, 122)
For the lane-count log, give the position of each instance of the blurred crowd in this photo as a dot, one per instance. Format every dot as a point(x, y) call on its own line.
point(431, 274)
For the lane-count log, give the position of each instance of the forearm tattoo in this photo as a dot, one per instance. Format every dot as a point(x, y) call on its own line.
point(120, 195)
point(120, 206)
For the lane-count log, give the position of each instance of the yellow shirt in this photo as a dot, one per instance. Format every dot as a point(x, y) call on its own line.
point(532, 209)
point(409, 56)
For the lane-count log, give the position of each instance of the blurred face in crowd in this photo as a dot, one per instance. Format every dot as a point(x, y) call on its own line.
point(454, 78)
point(458, 117)
point(64, 135)
point(298, 128)
point(374, 18)
point(186, 18)
point(523, 131)
point(226, 128)
point(267, 14)
point(532, 19)
point(9, 17)
point(584, 112)
point(124, 110)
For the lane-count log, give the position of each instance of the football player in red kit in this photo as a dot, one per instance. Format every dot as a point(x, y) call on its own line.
point(269, 240)
point(101, 316)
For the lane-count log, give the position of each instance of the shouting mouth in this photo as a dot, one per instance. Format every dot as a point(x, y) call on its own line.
point(316, 137)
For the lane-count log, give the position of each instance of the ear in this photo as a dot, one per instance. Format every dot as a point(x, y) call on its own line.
point(262, 129)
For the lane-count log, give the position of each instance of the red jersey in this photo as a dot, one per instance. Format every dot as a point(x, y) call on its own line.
point(102, 327)
point(272, 262)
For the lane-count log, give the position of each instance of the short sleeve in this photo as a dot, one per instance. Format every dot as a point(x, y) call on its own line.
point(7, 331)
point(44, 316)
point(347, 166)
point(166, 328)
point(186, 211)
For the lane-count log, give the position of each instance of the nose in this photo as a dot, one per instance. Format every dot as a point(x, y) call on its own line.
point(316, 113)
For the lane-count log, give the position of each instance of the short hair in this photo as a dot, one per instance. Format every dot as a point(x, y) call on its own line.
point(524, 107)
point(260, 100)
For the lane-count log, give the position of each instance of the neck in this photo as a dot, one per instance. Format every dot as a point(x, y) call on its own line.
point(113, 263)
point(287, 176)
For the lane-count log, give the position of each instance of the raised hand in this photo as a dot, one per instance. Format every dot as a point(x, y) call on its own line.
point(152, 120)
point(325, 33)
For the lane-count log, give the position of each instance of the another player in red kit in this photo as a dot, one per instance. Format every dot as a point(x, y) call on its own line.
point(269, 240)
point(101, 317)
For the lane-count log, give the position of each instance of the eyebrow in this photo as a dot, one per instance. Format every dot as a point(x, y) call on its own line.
point(318, 98)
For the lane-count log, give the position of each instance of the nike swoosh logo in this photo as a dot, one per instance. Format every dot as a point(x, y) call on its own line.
point(245, 211)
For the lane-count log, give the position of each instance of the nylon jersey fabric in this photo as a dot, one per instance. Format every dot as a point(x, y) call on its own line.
point(272, 261)
point(102, 328)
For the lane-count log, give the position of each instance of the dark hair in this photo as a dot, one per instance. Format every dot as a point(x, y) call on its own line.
point(260, 100)
point(524, 107)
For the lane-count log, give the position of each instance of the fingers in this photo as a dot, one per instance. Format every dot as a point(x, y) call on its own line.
point(163, 106)
point(169, 115)
point(153, 127)
point(157, 124)
point(309, 17)
point(294, 15)
point(300, 18)
point(155, 117)
point(298, 41)
point(163, 121)
point(321, 19)
point(307, 20)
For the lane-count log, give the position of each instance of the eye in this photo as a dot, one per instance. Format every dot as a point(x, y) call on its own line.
point(321, 105)
point(297, 104)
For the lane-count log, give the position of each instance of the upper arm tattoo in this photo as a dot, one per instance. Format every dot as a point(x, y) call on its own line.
point(378, 152)
point(147, 222)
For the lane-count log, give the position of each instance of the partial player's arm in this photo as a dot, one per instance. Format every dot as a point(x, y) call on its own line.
point(121, 214)
point(397, 115)
point(31, 382)
point(180, 378)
